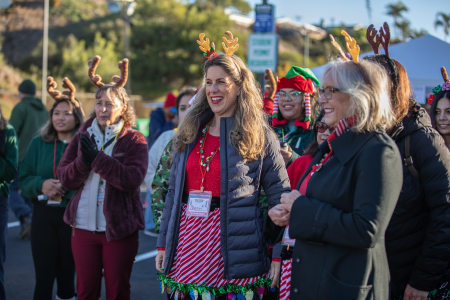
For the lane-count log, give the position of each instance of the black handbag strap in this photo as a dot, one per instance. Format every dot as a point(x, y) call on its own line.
point(408, 159)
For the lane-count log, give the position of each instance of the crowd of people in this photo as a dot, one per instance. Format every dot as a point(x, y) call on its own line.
point(318, 189)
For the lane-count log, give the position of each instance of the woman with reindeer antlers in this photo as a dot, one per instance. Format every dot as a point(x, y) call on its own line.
point(50, 236)
point(105, 163)
point(418, 235)
point(210, 242)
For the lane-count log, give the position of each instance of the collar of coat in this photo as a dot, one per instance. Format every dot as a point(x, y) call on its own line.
point(88, 123)
point(347, 145)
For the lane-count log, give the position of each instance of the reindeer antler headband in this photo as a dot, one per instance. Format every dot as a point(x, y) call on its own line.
point(354, 50)
point(117, 81)
point(376, 39)
point(66, 95)
point(383, 37)
point(445, 86)
point(230, 45)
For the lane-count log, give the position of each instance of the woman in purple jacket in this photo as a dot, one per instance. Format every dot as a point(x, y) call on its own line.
point(105, 163)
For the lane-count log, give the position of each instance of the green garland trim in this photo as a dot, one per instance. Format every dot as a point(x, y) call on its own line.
point(185, 288)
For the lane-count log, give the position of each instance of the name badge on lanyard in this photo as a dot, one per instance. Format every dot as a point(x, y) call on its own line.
point(287, 241)
point(198, 204)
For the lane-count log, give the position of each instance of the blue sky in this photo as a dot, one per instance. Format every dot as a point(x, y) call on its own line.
point(421, 14)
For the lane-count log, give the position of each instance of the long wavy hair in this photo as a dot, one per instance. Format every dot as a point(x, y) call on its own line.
point(48, 131)
point(248, 133)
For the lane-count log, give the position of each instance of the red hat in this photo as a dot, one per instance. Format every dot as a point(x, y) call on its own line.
point(171, 100)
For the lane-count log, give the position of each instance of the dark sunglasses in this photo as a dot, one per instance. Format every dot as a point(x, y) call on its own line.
point(322, 127)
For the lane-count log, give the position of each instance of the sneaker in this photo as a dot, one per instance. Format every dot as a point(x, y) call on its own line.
point(151, 232)
point(25, 225)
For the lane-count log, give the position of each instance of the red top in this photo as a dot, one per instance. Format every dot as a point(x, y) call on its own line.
point(297, 168)
point(193, 173)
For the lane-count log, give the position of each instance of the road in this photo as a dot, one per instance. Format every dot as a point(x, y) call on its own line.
point(20, 277)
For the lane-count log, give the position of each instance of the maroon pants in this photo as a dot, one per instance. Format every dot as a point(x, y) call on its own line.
point(92, 253)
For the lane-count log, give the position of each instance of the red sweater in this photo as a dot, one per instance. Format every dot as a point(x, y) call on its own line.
point(193, 172)
point(297, 168)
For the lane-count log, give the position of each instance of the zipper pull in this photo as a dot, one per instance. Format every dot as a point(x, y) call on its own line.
point(73, 229)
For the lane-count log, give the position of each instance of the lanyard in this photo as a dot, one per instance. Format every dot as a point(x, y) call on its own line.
point(208, 159)
point(55, 172)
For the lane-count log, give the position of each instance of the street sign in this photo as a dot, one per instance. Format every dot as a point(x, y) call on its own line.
point(262, 52)
point(264, 18)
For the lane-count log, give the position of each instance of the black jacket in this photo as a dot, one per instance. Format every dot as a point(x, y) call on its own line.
point(418, 235)
point(339, 225)
point(241, 219)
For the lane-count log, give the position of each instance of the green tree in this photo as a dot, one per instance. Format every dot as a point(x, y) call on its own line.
point(396, 10)
point(404, 26)
point(165, 54)
point(443, 20)
point(415, 33)
point(240, 5)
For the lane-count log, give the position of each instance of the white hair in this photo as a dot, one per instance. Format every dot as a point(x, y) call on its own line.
point(369, 103)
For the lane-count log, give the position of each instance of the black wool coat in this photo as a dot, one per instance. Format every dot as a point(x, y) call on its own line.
point(339, 225)
point(418, 235)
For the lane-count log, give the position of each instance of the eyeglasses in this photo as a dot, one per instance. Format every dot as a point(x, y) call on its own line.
point(292, 95)
point(322, 127)
point(328, 92)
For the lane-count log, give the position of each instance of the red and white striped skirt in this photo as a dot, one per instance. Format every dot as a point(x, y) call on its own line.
point(198, 258)
point(285, 284)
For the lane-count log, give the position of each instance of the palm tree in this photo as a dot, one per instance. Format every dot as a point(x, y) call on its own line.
point(396, 10)
point(443, 21)
point(415, 33)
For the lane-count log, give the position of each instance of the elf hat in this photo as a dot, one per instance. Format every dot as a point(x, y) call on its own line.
point(300, 79)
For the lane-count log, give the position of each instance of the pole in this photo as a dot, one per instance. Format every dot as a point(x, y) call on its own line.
point(261, 82)
point(306, 56)
point(45, 53)
point(126, 47)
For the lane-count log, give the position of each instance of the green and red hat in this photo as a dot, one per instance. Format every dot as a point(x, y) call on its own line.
point(300, 79)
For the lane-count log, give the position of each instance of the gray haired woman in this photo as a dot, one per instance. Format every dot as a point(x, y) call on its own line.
point(339, 226)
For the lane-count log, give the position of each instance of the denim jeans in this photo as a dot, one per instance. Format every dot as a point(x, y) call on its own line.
point(149, 224)
point(4, 212)
point(20, 205)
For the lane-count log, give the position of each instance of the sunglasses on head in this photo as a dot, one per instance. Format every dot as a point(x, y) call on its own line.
point(322, 127)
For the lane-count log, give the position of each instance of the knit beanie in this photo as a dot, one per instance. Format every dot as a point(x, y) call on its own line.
point(27, 87)
point(171, 100)
point(300, 79)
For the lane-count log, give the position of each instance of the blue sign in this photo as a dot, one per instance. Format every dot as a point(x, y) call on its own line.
point(264, 18)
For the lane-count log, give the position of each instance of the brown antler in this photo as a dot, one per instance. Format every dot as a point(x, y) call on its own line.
point(95, 79)
point(51, 86)
point(338, 47)
point(204, 44)
point(67, 84)
point(68, 95)
point(444, 74)
point(374, 39)
point(268, 76)
point(385, 38)
point(352, 46)
point(122, 80)
point(230, 46)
